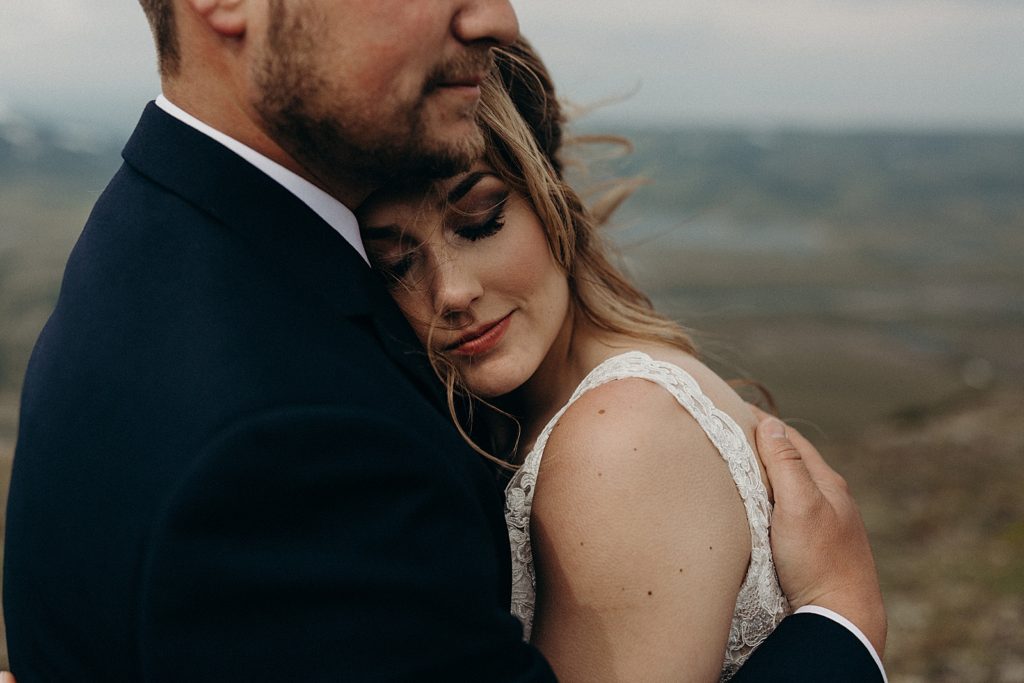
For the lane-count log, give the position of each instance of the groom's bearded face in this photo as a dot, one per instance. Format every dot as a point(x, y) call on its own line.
point(371, 92)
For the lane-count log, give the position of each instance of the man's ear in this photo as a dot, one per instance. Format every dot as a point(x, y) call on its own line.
point(226, 17)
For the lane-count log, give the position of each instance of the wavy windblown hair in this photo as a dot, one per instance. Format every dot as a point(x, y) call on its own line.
point(523, 124)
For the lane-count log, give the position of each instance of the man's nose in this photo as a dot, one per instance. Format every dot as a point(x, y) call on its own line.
point(491, 21)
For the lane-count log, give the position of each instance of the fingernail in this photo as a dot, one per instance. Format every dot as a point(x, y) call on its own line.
point(775, 429)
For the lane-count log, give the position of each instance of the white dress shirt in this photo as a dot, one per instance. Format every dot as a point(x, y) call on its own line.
point(336, 214)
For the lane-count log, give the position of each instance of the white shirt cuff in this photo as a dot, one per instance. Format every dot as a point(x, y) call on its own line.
point(843, 621)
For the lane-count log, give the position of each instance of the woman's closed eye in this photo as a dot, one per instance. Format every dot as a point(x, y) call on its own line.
point(398, 268)
point(397, 265)
point(403, 245)
point(492, 220)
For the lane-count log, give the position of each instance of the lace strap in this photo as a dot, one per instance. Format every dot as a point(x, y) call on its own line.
point(727, 436)
point(720, 428)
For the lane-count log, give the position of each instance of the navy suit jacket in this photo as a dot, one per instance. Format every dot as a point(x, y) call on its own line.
point(233, 462)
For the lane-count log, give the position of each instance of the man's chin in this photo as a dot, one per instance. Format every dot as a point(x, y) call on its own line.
point(425, 169)
point(447, 157)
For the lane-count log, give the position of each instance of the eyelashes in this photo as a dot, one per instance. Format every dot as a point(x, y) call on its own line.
point(491, 225)
point(400, 268)
point(396, 269)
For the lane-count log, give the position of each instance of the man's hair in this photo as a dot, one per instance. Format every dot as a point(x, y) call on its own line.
point(161, 21)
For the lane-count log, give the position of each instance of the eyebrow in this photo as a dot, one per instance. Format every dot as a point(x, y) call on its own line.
point(466, 184)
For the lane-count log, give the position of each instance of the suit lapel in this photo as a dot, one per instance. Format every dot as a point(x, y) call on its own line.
point(288, 234)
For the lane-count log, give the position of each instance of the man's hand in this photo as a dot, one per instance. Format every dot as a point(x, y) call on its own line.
point(818, 538)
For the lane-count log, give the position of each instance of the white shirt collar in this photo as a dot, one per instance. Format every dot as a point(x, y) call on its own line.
point(336, 214)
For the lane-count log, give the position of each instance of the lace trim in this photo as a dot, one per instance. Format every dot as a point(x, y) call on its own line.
point(760, 605)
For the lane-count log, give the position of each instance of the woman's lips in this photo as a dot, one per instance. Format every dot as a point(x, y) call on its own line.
point(482, 340)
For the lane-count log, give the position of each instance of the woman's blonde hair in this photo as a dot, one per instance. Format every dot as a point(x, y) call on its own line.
point(523, 124)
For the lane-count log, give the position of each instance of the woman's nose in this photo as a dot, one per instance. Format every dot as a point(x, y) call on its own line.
point(455, 289)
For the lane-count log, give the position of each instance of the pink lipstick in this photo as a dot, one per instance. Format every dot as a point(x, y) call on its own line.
point(482, 339)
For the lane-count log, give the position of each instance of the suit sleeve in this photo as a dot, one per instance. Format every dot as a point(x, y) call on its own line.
point(313, 545)
point(810, 648)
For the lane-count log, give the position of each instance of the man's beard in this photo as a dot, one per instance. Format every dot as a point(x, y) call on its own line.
point(337, 145)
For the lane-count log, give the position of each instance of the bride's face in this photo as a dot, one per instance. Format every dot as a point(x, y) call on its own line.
point(471, 269)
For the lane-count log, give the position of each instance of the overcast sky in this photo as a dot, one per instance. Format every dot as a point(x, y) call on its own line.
point(833, 63)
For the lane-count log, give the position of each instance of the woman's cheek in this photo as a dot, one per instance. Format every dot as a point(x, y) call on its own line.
point(415, 309)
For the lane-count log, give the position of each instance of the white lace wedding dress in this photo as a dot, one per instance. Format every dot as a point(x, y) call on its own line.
point(760, 605)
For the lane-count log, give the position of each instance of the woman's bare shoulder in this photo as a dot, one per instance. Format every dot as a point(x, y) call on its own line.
point(631, 437)
point(638, 528)
point(718, 391)
point(627, 413)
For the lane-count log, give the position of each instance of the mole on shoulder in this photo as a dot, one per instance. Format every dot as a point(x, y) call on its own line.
point(601, 412)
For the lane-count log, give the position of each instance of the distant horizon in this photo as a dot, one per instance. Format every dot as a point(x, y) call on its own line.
point(120, 124)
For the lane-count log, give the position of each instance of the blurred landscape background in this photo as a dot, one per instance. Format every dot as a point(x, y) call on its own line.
point(872, 281)
point(835, 208)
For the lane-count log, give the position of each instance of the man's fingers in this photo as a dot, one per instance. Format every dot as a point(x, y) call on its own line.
point(784, 463)
point(6, 677)
point(819, 470)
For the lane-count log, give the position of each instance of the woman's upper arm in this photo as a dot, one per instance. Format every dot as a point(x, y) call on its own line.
point(641, 541)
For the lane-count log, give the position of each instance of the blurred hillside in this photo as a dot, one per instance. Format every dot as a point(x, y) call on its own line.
point(861, 276)
point(872, 281)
